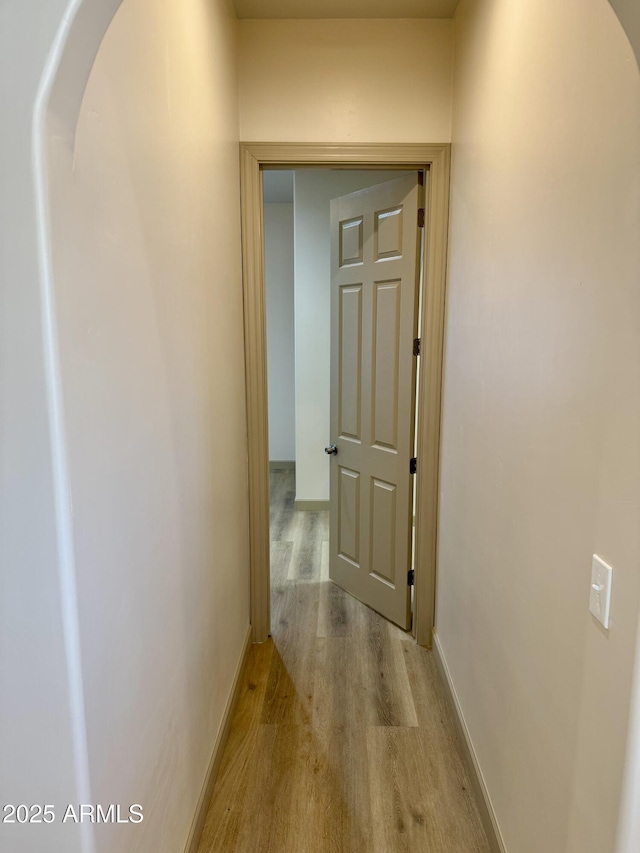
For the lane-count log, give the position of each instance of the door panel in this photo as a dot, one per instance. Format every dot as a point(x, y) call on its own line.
point(386, 352)
point(349, 516)
point(351, 240)
point(383, 528)
point(350, 359)
point(388, 234)
point(374, 277)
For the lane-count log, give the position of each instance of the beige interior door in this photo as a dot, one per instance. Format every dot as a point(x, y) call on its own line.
point(374, 281)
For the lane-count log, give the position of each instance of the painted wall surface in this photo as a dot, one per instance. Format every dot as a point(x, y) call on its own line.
point(38, 761)
point(146, 261)
point(313, 191)
point(541, 420)
point(345, 80)
point(278, 264)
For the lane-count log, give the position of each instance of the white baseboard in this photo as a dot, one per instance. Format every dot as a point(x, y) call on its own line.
point(204, 799)
point(485, 806)
point(281, 464)
point(312, 506)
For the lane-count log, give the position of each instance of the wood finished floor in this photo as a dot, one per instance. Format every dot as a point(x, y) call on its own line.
point(342, 739)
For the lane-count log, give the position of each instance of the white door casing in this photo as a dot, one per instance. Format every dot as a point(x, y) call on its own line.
point(374, 286)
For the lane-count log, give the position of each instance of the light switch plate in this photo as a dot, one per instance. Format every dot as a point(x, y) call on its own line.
point(600, 599)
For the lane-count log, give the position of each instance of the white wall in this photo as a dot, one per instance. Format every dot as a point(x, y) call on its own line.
point(278, 261)
point(345, 80)
point(313, 191)
point(148, 311)
point(148, 288)
point(541, 421)
point(39, 762)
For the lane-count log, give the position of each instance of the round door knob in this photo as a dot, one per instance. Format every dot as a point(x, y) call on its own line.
point(332, 450)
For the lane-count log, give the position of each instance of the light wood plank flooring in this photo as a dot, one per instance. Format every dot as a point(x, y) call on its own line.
point(342, 739)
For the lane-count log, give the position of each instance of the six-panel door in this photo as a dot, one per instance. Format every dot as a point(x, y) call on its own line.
point(374, 279)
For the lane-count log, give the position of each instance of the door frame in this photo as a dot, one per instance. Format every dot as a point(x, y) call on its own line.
point(435, 159)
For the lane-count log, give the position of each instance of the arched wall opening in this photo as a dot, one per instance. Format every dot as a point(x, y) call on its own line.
point(628, 13)
point(139, 199)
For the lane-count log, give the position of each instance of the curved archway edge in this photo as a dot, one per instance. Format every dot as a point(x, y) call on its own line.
point(72, 57)
point(56, 110)
point(85, 23)
point(628, 12)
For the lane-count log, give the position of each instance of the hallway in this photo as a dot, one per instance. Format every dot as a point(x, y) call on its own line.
point(342, 739)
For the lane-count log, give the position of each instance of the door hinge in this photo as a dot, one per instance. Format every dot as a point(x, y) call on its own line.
point(421, 217)
point(416, 346)
point(413, 465)
point(410, 577)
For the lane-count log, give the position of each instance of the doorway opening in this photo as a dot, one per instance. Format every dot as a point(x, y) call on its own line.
point(433, 160)
point(342, 363)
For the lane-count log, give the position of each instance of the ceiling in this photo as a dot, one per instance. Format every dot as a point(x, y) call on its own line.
point(345, 8)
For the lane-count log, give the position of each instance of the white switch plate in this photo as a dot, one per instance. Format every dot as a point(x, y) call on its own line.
point(600, 599)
